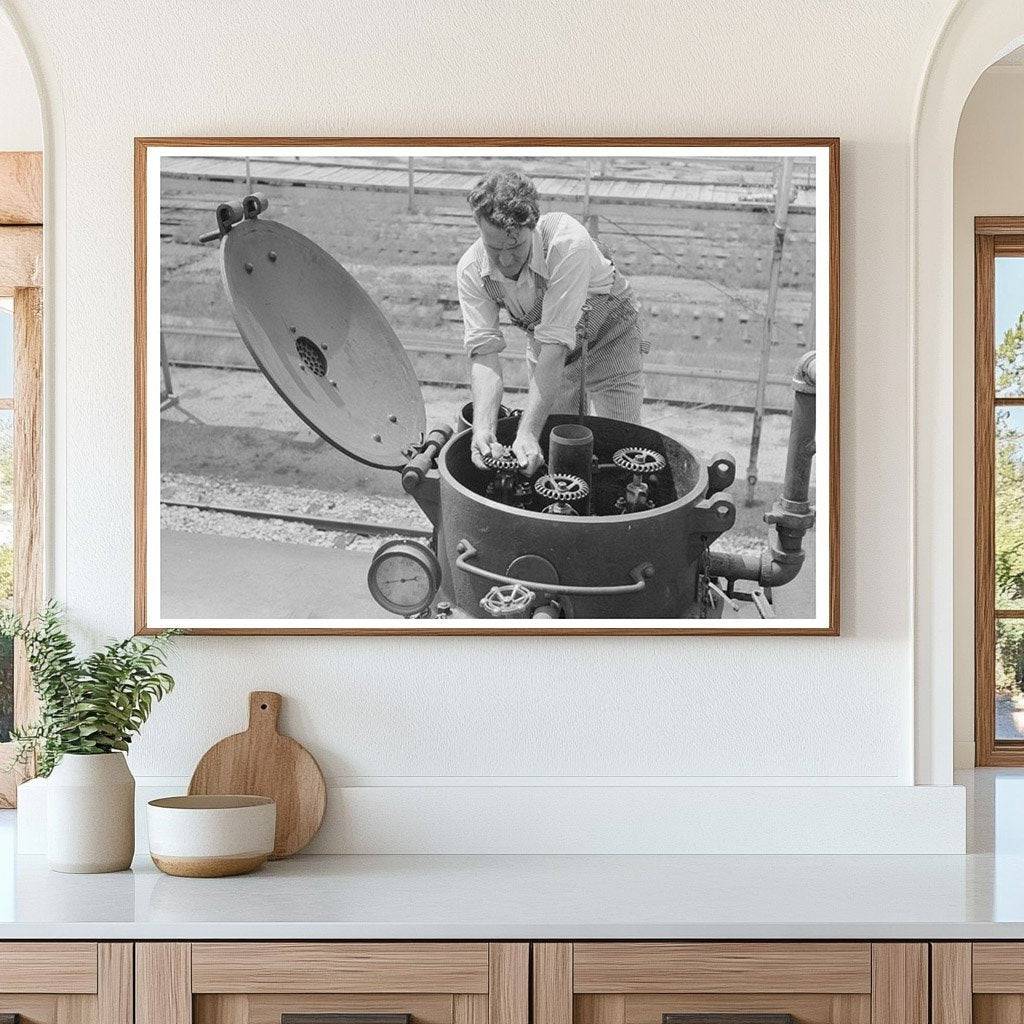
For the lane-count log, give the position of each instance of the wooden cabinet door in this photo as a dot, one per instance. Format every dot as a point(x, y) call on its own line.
point(302, 982)
point(980, 982)
point(66, 982)
point(737, 982)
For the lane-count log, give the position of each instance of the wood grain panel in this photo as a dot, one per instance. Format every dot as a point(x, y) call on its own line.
point(599, 1009)
point(998, 1009)
point(807, 1009)
point(339, 967)
point(224, 1009)
point(163, 983)
point(552, 983)
point(21, 258)
point(508, 990)
point(76, 1009)
point(469, 1008)
point(951, 982)
point(267, 1009)
point(21, 188)
point(48, 967)
point(998, 967)
point(27, 486)
point(899, 990)
point(633, 967)
point(851, 1009)
point(115, 983)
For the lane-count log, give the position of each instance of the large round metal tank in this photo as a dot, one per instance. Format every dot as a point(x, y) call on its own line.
point(634, 565)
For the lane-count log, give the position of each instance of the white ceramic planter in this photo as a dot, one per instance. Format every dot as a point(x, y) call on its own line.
point(90, 814)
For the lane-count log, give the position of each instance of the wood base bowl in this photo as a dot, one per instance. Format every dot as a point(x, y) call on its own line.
point(211, 836)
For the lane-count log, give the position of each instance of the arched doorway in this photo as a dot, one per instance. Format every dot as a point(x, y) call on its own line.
point(975, 35)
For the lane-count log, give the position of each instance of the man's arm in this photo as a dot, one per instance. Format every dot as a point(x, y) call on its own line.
point(544, 388)
point(564, 297)
point(483, 342)
point(487, 386)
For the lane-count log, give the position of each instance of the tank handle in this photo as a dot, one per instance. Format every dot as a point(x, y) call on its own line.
point(640, 575)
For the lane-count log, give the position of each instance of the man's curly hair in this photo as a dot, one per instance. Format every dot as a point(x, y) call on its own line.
point(506, 197)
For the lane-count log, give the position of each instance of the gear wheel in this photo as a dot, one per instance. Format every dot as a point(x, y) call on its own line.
point(562, 487)
point(503, 463)
point(639, 460)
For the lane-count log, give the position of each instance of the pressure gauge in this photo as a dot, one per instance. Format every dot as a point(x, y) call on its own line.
point(404, 577)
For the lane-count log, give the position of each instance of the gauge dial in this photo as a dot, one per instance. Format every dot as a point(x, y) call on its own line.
point(404, 577)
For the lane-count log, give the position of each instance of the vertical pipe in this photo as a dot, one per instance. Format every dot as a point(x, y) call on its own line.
point(586, 189)
point(412, 187)
point(248, 178)
point(784, 182)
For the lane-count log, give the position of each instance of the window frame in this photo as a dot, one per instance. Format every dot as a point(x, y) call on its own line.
point(21, 251)
point(993, 237)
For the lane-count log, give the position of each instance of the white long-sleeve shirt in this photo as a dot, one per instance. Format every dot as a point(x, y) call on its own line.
point(565, 265)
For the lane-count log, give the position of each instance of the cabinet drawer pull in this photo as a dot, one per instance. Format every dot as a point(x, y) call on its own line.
point(728, 1018)
point(339, 1018)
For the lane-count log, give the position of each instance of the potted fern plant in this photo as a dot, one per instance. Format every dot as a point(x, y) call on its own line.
point(89, 709)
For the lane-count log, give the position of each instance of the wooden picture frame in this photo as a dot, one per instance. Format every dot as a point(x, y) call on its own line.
point(21, 278)
point(148, 152)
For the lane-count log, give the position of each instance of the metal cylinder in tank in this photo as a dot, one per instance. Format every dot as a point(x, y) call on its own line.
point(571, 450)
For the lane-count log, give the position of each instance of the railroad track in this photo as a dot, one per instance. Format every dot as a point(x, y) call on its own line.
point(321, 522)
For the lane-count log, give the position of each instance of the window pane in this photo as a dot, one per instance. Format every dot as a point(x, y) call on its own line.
point(6, 564)
point(1009, 679)
point(6, 349)
point(1009, 324)
point(1009, 512)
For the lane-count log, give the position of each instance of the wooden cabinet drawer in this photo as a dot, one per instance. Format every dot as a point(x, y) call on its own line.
point(259, 982)
point(814, 982)
point(64, 982)
point(48, 967)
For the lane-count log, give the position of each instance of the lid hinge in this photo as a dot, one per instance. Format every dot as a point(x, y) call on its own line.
point(229, 214)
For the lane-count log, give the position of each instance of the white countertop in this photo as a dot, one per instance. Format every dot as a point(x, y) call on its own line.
point(532, 897)
point(979, 896)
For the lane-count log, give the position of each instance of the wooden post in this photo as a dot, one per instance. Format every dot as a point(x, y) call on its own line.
point(412, 187)
point(783, 185)
point(586, 189)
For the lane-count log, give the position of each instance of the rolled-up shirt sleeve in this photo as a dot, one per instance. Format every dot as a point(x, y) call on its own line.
point(479, 312)
point(566, 293)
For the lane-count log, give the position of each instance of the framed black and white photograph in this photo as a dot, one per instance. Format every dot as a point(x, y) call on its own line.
point(487, 386)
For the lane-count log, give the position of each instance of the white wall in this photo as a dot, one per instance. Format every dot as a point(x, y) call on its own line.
point(21, 125)
point(988, 181)
point(446, 713)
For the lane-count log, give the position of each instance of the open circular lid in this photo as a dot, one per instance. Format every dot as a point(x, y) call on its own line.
point(322, 342)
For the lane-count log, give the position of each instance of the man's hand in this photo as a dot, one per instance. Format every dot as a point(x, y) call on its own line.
point(527, 451)
point(484, 443)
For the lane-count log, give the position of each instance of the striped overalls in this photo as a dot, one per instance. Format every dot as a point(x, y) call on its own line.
point(611, 326)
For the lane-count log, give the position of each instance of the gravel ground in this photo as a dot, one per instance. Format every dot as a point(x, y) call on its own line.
point(294, 500)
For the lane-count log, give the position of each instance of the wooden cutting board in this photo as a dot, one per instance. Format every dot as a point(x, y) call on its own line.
point(262, 762)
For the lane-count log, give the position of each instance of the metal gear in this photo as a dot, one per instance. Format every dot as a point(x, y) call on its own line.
point(562, 487)
point(503, 463)
point(639, 460)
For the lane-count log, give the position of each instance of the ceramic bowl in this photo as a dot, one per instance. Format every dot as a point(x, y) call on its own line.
point(211, 836)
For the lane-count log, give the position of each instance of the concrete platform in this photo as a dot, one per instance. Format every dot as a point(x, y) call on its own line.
point(206, 576)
